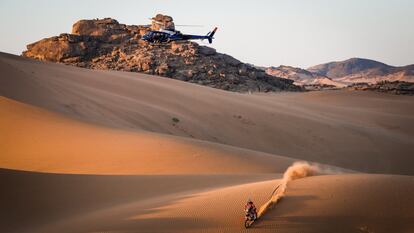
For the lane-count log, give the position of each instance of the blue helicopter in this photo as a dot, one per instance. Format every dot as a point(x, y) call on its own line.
point(169, 34)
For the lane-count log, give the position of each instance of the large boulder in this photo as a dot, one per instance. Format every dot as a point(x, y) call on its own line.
point(161, 21)
point(106, 29)
point(98, 27)
point(204, 50)
point(59, 48)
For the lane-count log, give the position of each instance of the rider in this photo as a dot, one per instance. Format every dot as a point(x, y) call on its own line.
point(251, 208)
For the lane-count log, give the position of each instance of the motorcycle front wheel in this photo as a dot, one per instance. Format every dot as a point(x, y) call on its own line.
point(247, 223)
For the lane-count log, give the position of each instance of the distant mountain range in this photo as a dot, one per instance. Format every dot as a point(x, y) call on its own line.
point(302, 77)
point(344, 73)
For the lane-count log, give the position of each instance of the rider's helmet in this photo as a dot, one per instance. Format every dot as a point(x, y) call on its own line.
point(249, 201)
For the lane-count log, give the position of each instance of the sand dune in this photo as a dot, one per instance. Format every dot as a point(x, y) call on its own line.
point(317, 204)
point(345, 203)
point(104, 151)
point(331, 203)
point(38, 202)
point(363, 131)
point(33, 139)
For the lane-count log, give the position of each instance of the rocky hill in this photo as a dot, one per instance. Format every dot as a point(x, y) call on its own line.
point(356, 70)
point(348, 67)
point(304, 78)
point(107, 44)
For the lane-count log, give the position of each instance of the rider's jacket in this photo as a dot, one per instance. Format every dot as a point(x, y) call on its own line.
point(250, 207)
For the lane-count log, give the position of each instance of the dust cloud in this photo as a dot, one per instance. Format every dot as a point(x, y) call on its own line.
point(296, 171)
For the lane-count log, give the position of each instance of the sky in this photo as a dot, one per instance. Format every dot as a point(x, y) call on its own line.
point(298, 33)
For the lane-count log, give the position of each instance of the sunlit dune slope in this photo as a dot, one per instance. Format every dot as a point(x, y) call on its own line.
point(333, 203)
point(35, 140)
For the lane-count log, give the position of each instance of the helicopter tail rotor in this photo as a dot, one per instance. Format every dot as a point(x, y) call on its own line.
point(210, 35)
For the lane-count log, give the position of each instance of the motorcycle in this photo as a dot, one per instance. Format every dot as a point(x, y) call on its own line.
point(249, 218)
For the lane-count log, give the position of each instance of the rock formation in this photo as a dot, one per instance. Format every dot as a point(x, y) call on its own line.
point(107, 44)
point(393, 87)
point(301, 77)
point(162, 22)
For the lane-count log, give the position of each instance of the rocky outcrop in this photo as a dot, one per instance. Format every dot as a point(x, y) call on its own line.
point(107, 44)
point(393, 87)
point(161, 21)
point(63, 48)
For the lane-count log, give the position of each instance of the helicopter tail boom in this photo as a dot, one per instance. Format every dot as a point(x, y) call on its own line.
point(210, 35)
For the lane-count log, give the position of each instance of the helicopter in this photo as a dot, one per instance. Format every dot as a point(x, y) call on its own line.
point(169, 34)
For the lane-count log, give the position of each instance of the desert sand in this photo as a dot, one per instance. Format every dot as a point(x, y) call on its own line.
point(314, 126)
point(105, 151)
point(37, 140)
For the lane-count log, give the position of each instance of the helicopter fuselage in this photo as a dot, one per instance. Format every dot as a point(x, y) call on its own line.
point(166, 36)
